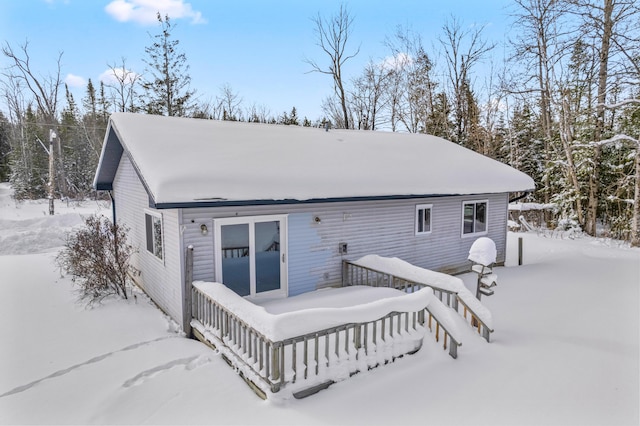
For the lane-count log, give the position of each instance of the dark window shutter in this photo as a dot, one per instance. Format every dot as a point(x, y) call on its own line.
point(149, 230)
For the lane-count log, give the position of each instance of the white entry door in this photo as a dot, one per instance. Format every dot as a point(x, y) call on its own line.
point(250, 254)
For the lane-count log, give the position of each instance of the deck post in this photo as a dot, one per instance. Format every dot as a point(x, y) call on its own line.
point(485, 333)
point(519, 251)
point(345, 273)
point(275, 362)
point(453, 349)
point(187, 307)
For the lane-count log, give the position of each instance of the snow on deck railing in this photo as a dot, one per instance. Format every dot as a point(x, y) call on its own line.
point(309, 349)
point(392, 272)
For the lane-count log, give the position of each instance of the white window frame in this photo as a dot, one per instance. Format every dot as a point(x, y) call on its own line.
point(251, 221)
point(486, 218)
point(159, 255)
point(417, 218)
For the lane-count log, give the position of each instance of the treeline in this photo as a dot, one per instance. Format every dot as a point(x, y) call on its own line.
point(37, 120)
point(562, 105)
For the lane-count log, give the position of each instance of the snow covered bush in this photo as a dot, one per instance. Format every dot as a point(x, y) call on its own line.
point(97, 256)
point(569, 225)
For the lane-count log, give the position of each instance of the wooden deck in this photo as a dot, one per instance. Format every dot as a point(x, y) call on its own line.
point(342, 297)
point(311, 361)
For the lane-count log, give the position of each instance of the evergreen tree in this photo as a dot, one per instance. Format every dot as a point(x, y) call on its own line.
point(89, 102)
point(28, 159)
point(420, 94)
point(5, 148)
point(104, 106)
point(290, 119)
point(93, 123)
point(167, 90)
point(438, 122)
point(80, 159)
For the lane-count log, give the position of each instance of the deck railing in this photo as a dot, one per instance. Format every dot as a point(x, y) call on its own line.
point(228, 252)
point(353, 274)
point(312, 361)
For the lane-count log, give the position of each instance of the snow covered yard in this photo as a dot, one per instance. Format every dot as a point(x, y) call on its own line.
point(565, 349)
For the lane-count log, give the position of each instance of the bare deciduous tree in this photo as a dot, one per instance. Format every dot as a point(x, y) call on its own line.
point(411, 90)
point(44, 90)
point(367, 97)
point(332, 36)
point(463, 50)
point(229, 104)
point(539, 46)
point(607, 19)
point(123, 86)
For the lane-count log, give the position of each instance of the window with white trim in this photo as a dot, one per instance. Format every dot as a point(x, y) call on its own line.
point(423, 218)
point(474, 217)
point(153, 227)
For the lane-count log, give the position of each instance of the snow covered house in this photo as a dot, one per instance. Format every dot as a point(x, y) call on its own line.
point(274, 210)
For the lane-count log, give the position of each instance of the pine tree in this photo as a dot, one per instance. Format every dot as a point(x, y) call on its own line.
point(80, 160)
point(89, 102)
point(28, 159)
point(104, 106)
point(290, 119)
point(5, 148)
point(93, 123)
point(167, 90)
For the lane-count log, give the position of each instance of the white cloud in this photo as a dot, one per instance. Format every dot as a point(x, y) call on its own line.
point(75, 81)
point(113, 76)
point(144, 11)
point(396, 62)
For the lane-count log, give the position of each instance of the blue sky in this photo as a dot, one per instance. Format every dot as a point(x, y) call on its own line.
point(255, 47)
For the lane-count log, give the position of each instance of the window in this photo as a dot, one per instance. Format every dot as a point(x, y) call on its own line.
point(423, 218)
point(474, 217)
point(153, 222)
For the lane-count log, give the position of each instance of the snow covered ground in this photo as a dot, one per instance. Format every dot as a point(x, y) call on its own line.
point(565, 348)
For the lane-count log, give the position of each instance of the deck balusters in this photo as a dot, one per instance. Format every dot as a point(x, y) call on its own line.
point(278, 363)
point(452, 298)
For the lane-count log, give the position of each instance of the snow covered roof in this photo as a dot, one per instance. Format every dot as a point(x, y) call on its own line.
point(183, 161)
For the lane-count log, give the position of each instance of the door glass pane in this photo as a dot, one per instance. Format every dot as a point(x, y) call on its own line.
point(481, 217)
point(235, 258)
point(267, 246)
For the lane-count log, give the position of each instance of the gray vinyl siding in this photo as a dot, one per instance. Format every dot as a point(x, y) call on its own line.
point(160, 279)
point(386, 228)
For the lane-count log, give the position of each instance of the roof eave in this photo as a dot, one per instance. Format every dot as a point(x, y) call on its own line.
point(268, 202)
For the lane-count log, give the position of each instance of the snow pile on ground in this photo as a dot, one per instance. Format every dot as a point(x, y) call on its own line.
point(565, 351)
point(27, 228)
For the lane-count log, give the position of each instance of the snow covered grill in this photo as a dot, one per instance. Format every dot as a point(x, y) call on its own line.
point(380, 271)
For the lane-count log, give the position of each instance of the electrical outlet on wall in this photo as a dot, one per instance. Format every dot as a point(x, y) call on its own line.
point(342, 248)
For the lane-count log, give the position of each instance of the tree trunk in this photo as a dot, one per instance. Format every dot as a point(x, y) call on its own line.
point(567, 136)
point(635, 220)
point(594, 178)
